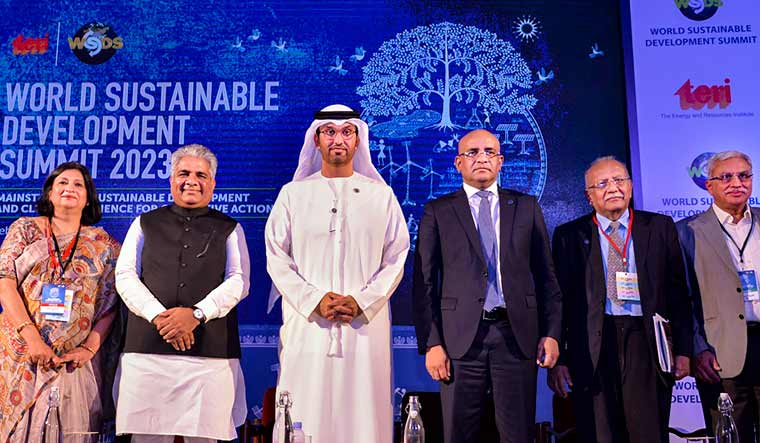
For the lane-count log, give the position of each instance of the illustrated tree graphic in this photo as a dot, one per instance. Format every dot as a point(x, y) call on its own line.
point(431, 66)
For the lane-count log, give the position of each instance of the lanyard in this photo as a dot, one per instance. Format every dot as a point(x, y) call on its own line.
point(62, 259)
point(624, 251)
point(746, 240)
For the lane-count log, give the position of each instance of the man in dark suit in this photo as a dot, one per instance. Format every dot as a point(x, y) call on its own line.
point(486, 305)
point(617, 269)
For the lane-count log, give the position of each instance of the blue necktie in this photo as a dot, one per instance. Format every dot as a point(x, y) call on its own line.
point(490, 249)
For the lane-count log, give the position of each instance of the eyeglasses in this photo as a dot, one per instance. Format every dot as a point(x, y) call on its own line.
point(472, 154)
point(331, 132)
point(602, 184)
point(726, 178)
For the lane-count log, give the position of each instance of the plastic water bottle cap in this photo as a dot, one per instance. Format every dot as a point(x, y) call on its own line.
point(724, 396)
point(297, 425)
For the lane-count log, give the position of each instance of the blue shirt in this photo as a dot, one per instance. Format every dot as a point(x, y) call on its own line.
point(474, 201)
point(629, 307)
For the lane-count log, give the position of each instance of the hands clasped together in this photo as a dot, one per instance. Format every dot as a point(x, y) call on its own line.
point(176, 326)
point(338, 308)
point(42, 355)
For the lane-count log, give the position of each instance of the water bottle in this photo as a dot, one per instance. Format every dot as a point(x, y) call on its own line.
point(725, 430)
point(257, 431)
point(298, 436)
point(51, 433)
point(284, 425)
point(414, 431)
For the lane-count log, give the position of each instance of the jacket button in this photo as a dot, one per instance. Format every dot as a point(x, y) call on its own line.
point(485, 274)
point(741, 316)
point(184, 265)
point(185, 246)
point(187, 218)
point(187, 229)
point(182, 285)
point(738, 289)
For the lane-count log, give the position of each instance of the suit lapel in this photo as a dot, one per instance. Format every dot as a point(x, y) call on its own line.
point(462, 210)
point(594, 267)
point(507, 205)
point(640, 237)
point(708, 227)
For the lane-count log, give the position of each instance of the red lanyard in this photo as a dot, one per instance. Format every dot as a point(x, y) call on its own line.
point(624, 251)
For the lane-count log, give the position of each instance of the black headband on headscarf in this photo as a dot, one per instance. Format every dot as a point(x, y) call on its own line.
point(336, 115)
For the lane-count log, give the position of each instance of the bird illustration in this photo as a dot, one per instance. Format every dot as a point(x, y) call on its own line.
point(543, 77)
point(280, 46)
point(358, 54)
point(238, 44)
point(255, 35)
point(595, 51)
point(338, 66)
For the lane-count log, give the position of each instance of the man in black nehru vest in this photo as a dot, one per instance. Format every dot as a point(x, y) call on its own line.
point(182, 270)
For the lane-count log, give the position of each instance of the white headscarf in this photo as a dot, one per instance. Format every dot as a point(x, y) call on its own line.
point(310, 160)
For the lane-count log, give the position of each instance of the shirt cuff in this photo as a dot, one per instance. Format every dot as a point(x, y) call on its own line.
point(209, 308)
point(152, 309)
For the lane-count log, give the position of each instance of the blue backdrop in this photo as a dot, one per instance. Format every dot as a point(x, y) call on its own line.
point(119, 86)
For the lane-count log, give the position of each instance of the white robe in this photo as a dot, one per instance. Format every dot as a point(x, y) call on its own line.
point(349, 236)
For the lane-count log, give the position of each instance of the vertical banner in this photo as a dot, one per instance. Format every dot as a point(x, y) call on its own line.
point(695, 93)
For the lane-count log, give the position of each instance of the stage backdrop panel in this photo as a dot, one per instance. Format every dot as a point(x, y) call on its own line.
point(118, 87)
point(692, 92)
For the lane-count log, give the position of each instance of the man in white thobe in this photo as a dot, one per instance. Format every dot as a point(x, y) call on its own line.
point(182, 270)
point(336, 243)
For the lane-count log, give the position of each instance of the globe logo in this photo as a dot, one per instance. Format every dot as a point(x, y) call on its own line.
point(698, 169)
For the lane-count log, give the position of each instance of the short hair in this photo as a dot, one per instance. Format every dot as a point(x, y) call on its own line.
point(606, 158)
point(91, 213)
point(726, 155)
point(195, 150)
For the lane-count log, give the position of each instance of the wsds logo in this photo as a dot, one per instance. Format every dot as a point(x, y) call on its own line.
point(698, 10)
point(696, 97)
point(698, 169)
point(95, 43)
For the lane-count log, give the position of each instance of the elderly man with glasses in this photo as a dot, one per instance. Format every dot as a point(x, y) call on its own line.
point(486, 301)
point(722, 251)
point(618, 269)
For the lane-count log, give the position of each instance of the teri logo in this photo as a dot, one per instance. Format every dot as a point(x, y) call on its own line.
point(696, 97)
point(698, 10)
point(698, 169)
point(29, 45)
point(95, 43)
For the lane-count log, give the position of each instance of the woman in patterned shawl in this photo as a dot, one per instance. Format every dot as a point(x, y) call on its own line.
point(37, 351)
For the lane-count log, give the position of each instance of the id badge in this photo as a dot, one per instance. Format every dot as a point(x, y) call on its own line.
point(56, 301)
point(749, 285)
point(627, 284)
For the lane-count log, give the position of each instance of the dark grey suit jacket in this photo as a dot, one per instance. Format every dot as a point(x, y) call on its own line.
point(450, 274)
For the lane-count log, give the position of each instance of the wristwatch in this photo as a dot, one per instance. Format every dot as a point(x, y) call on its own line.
point(198, 314)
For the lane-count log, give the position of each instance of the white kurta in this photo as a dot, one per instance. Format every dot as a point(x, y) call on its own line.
point(176, 394)
point(349, 236)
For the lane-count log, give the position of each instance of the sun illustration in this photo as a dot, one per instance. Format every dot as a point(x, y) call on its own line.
point(527, 28)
